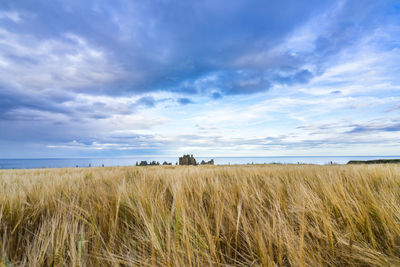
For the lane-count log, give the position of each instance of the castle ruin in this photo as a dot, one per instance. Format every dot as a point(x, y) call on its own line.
point(187, 160)
point(190, 160)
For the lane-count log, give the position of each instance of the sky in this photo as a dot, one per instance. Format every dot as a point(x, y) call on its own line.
point(212, 78)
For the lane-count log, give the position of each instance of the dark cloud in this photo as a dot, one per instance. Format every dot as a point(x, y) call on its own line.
point(172, 45)
point(364, 129)
point(184, 101)
point(147, 101)
point(49, 105)
point(11, 100)
point(216, 95)
point(163, 44)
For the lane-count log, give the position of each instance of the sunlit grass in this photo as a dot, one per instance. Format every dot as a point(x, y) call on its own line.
point(285, 215)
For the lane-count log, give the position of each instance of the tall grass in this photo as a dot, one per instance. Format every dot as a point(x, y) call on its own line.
point(271, 215)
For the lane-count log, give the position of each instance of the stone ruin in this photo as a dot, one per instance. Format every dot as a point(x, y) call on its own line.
point(190, 160)
point(187, 160)
point(210, 162)
point(184, 160)
point(145, 163)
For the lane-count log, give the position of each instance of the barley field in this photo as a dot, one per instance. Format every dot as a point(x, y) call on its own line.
point(250, 215)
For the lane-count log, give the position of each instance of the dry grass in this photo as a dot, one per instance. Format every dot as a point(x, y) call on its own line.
point(201, 216)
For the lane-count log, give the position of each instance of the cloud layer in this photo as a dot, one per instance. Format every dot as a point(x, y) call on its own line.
point(213, 77)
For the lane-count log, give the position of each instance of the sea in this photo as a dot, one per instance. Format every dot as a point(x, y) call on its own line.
point(99, 162)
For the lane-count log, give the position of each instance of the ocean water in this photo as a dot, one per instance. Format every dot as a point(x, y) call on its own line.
point(96, 162)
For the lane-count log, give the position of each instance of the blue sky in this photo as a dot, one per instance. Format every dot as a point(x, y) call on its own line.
point(210, 78)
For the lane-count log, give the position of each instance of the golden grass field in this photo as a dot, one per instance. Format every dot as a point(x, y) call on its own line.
point(251, 215)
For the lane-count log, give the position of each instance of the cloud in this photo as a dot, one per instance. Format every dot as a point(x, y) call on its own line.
point(233, 145)
point(369, 128)
point(11, 15)
point(133, 47)
point(11, 100)
point(121, 75)
point(184, 101)
point(155, 51)
point(147, 101)
point(347, 127)
point(216, 95)
point(67, 63)
point(301, 76)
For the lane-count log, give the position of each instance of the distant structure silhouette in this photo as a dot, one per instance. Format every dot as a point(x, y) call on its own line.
point(187, 160)
point(190, 160)
point(184, 160)
point(210, 162)
point(145, 163)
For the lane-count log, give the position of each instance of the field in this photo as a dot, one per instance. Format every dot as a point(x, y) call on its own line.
point(253, 215)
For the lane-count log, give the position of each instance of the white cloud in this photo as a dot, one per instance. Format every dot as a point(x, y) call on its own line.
point(11, 15)
point(68, 62)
